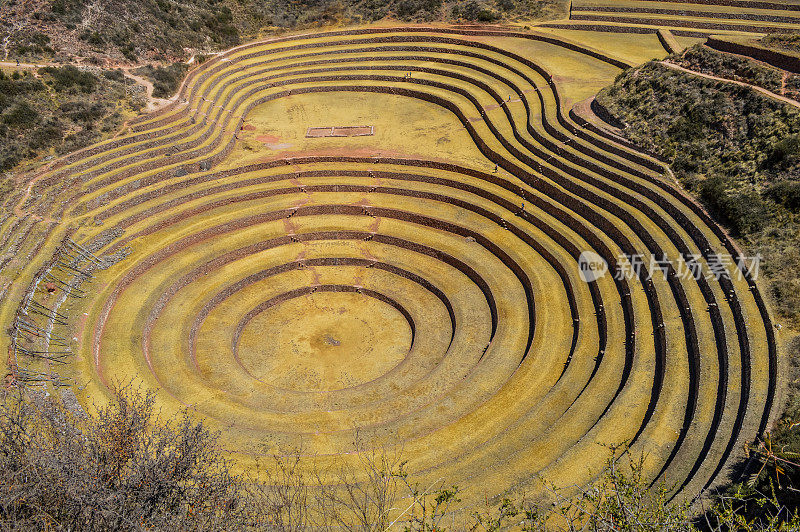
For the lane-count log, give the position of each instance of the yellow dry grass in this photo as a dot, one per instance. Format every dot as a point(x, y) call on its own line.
point(299, 291)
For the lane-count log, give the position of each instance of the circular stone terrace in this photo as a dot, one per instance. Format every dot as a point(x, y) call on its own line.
point(411, 277)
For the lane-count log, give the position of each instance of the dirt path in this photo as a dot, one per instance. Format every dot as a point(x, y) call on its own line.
point(153, 104)
point(26, 66)
point(18, 207)
point(762, 90)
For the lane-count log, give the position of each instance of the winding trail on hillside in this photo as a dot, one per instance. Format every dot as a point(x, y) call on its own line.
point(153, 103)
point(29, 66)
point(762, 90)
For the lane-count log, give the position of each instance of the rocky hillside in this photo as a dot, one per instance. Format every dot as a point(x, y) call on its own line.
point(736, 149)
point(56, 110)
point(128, 31)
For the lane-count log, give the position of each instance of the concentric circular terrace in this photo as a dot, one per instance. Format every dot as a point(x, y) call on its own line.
point(419, 286)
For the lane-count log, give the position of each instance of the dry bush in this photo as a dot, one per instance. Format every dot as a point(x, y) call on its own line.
point(623, 500)
point(362, 498)
point(123, 469)
point(283, 499)
point(126, 468)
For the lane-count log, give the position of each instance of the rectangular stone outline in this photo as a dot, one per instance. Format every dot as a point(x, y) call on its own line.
point(340, 131)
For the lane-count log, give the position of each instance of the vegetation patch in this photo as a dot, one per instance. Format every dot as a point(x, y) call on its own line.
point(782, 41)
point(731, 146)
point(166, 79)
point(163, 30)
point(703, 59)
point(59, 110)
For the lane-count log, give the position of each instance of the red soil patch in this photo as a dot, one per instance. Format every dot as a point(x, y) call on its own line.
point(248, 127)
point(364, 202)
point(289, 225)
point(268, 139)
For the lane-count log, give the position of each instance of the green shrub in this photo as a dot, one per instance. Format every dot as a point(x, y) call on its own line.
point(786, 193)
point(92, 37)
point(68, 76)
point(45, 135)
point(413, 9)
point(81, 111)
point(59, 112)
point(129, 53)
point(67, 9)
point(474, 11)
point(790, 42)
point(730, 66)
point(166, 79)
point(114, 75)
point(744, 211)
point(11, 86)
point(785, 152)
point(21, 115)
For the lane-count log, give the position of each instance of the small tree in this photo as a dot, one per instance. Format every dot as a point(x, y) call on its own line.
point(621, 500)
point(283, 499)
point(362, 497)
point(122, 469)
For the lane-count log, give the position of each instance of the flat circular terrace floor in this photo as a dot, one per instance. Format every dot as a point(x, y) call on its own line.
point(324, 341)
point(415, 286)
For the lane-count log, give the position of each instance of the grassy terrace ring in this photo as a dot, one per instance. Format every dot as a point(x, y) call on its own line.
point(684, 18)
point(419, 286)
